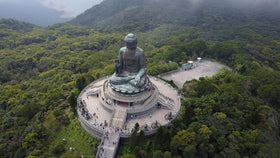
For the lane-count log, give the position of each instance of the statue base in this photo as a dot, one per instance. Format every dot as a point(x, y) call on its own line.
point(129, 90)
point(101, 109)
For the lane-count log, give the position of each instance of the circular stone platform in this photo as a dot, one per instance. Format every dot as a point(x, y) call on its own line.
point(101, 109)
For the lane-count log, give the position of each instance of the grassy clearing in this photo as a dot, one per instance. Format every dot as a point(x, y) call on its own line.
point(79, 139)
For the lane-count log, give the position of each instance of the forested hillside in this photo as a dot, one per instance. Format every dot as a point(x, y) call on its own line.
point(232, 114)
point(145, 15)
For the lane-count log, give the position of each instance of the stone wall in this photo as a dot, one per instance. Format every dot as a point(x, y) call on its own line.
point(91, 129)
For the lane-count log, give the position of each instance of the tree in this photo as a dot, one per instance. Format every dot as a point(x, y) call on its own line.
point(159, 137)
point(204, 133)
point(141, 136)
point(74, 154)
point(136, 127)
point(196, 47)
point(205, 86)
point(174, 54)
point(81, 83)
point(189, 151)
point(221, 116)
point(128, 156)
point(157, 154)
point(29, 110)
point(271, 150)
point(162, 139)
point(32, 157)
point(57, 148)
point(270, 93)
point(229, 153)
point(30, 140)
point(20, 153)
point(167, 154)
point(72, 100)
point(224, 50)
point(189, 112)
point(134, 139)
point(184, 138)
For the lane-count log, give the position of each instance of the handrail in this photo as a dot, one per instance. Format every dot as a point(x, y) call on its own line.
point(91, 84)
point(160, 94)
point(85, 122)
point(151, 132)
point(93, 92)
point(104, 104)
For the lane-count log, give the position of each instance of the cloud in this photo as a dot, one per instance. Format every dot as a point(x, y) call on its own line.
point(68, 14)
point(240, 2)
point(264, 5)
point(70, 8)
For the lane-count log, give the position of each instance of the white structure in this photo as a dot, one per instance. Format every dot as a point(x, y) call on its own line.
point(110, 116)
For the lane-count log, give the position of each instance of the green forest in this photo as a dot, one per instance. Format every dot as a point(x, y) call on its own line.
point(231, 114)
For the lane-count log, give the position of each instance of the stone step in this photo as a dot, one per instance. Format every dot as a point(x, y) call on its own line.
point(119, 118)
point(107, 149)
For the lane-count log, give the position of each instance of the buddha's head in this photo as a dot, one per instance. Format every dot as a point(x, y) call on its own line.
point(131, 41)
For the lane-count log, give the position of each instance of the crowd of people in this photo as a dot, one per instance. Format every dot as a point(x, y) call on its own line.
point(83, 109)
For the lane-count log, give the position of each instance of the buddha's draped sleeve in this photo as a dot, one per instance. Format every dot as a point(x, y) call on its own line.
point(121, 59)
point(142, 61)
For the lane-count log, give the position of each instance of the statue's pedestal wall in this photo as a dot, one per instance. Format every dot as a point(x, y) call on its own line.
point(100, 108)
point(133, 98)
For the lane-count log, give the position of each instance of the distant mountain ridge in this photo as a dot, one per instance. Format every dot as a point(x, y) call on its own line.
point(123, 12)
point(31, 12)
point(148, 14)
point(16, 25)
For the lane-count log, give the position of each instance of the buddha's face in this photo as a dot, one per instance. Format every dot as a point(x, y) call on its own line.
point(131, 45)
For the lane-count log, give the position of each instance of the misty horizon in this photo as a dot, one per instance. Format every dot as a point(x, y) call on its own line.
point(43, 12)
point(48, 12)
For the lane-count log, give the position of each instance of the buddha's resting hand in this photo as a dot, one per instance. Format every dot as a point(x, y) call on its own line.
point(136, 82)
point(120, 80)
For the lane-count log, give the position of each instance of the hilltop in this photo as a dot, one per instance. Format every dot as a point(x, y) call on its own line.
point(231, 114)
point(146, 15)
point(16, 25)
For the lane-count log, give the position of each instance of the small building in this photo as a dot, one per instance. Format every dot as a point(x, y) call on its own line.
point(187, 65)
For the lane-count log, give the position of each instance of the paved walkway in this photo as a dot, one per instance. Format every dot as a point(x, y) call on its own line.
point(201, 69)
point(109, 144)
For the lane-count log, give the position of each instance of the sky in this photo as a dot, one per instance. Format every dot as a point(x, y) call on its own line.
point(68, 8)
point(244, 3)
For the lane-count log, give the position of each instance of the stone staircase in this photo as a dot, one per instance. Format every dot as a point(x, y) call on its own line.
point(166, 101)
point(109, 145)
point(119, 118)
point(110, 140)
